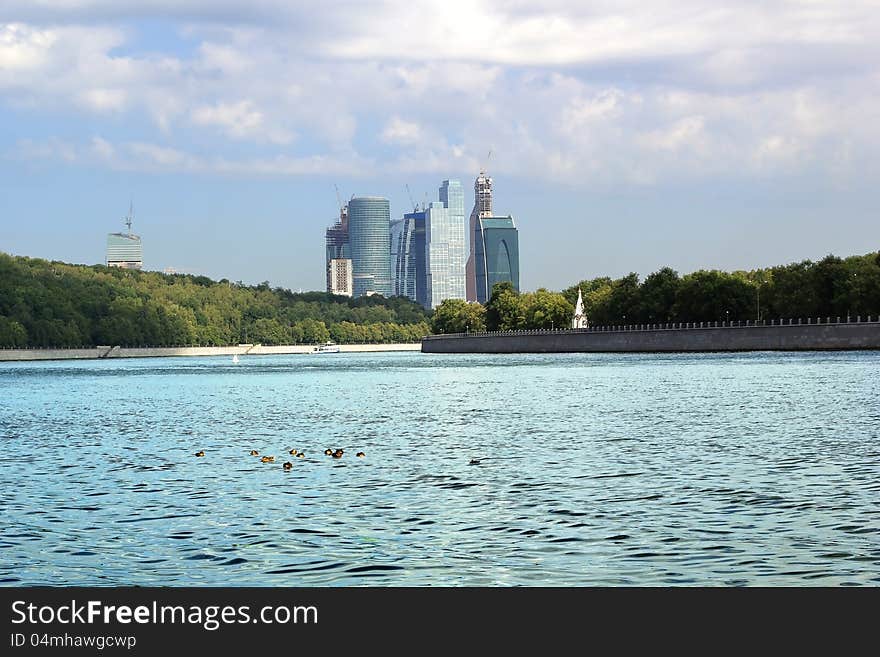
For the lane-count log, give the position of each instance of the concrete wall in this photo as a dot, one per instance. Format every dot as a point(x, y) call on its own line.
point(795, 337)
point(154, 352)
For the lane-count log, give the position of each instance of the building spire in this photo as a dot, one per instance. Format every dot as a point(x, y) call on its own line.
point(130, 216)
point(580, 319)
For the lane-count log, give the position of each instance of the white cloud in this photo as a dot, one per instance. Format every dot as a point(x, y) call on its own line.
point(607, 94)
point(401, 132)
point(239, 120)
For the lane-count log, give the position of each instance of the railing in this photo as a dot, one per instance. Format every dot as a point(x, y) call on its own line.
point(672, 326)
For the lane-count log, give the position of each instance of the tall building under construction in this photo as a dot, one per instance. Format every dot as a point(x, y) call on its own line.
point(482, 208)
point(124, 250)
point(338, 256)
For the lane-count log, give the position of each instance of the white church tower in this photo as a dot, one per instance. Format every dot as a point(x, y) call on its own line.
point(580, 319)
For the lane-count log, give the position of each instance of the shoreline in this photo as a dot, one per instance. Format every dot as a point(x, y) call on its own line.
point(102, 352)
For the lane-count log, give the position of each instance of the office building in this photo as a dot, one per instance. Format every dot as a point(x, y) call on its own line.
point(496, 255)
point(445, 246)
point(125, 250)
point(369, 223)
point(408, 256)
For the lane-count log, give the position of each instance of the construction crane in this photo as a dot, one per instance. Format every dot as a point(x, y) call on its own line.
point(415, 205)
point(338, 196)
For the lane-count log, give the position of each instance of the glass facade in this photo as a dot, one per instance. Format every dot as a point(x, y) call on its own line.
point(496, 251)
point(445, 245)
point(408, 256)
point(369, 223)
point(402, 259)
point(124, 250)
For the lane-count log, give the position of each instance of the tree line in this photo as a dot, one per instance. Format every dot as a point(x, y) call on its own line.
point(53, 304)
point(832, 287)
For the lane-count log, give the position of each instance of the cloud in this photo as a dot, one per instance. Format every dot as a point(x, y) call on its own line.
point(401, 132)
point(239, 120)
point(606, 94)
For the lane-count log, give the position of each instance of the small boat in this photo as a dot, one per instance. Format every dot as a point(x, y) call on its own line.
point(328, 348)
point(234, 358)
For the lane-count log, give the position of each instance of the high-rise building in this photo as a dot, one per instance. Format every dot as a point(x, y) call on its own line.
point(482, 208)
point(496, 255)
point(125, 250)
point(445, 245)
point(408, 256)
point(369, 223)
point(338, 256)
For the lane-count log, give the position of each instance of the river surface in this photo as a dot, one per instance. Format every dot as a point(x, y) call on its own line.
point(594, 469)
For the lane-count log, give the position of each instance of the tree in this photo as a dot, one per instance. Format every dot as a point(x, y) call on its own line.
point(657, 296)
point(505, 310)
point(546, 310)
point(458, 316)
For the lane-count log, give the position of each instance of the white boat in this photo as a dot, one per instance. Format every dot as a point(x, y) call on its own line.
point(234, 358)
point(328, 348)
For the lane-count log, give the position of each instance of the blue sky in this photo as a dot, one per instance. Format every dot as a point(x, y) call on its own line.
point(689, 134)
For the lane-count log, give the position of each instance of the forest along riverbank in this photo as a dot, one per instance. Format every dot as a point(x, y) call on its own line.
point(153, 352)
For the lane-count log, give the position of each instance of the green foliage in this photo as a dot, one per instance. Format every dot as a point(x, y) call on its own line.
point(832, 287)
point(509, 310)
point(52, 304)
point(458, 316)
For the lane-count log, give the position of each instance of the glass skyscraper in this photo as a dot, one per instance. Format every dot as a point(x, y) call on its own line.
point(496, 255)
point(445, 245)
point(408, 256)
point(369, 223)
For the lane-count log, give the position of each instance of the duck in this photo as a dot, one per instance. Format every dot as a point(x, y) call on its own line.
point(267, 459)
point(293, 452)
point(287, 465)
point(200, 453)
point(328, 452)
point(301, 455)
point(360, 455)
point(337, 454)
point(254, 452)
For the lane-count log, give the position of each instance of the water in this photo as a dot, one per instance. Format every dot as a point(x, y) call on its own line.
point(756, 469)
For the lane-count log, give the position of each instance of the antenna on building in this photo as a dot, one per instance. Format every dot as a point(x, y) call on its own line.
point(129, 216)
point(415, 206)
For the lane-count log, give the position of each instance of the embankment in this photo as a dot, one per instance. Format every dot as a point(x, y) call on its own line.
point(689, 337)
point(154, 352)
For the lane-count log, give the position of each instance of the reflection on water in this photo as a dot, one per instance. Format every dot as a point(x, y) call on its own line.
point(594, 470)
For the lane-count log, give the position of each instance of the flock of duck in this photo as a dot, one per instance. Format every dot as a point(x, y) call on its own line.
point(287, 465)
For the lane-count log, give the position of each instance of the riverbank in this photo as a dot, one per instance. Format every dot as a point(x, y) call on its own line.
point(160, 352)
point(779, 335)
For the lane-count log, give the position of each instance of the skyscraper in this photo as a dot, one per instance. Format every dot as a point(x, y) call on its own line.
point(125, 250)
point(482, 208)
point(369, 223)
point(408, 256)
point(444, 245)
point(496, 255)
point(338, 256)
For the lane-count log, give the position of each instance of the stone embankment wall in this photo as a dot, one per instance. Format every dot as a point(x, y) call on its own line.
point(782, 336)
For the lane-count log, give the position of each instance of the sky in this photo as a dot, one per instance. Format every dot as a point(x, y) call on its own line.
point(621, 136)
